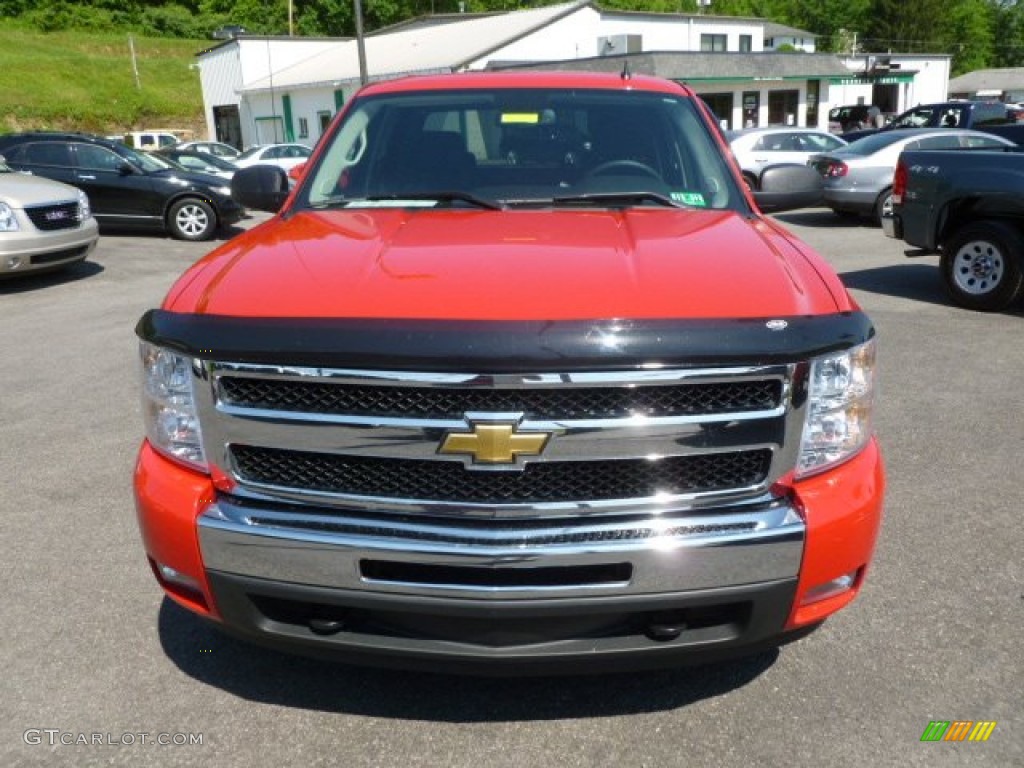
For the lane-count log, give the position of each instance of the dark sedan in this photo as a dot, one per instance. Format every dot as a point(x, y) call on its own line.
point(127, 189)
point(201, 162)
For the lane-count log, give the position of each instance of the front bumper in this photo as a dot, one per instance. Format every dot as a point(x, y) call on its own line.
point(29, 249)
point(476, 597)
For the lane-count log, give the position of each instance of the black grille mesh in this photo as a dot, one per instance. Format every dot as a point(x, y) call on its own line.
point(563, 403)
point(53, 217)
point(539, 482)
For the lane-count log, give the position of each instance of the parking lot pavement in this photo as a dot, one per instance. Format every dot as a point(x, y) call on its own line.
point(91, 651)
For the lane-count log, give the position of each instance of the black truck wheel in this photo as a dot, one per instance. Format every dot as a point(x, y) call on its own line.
point(982, 265)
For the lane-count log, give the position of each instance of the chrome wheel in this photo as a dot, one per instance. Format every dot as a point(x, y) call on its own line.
point(978, 267)
point(982, 265)
point(192, 219)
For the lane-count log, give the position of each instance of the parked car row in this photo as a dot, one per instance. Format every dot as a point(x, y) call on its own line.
point(126, 188)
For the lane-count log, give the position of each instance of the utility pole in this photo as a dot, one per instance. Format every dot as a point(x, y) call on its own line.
point(360, 44)
point(135, 66)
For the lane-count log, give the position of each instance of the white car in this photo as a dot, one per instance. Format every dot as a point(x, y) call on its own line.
point(757, 148)
point(218, 148)
point(44, 224)
point(285, 156)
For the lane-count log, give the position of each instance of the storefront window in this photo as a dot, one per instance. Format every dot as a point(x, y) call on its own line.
point(751, 107)
point(812, 102)
point(721, 105)
point(782, 106)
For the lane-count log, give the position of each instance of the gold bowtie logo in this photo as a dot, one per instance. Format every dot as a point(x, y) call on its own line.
point(494, 443)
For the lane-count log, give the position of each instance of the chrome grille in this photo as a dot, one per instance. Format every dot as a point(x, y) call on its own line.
point(49, 218)
point(545, 482)
point(620, 442)
point(567, 403)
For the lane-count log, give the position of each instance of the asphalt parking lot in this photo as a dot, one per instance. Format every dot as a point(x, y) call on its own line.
point(90, 646)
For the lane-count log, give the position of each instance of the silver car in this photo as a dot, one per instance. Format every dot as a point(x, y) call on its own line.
point(858, 177)
point(44, 224)
point(757, 148)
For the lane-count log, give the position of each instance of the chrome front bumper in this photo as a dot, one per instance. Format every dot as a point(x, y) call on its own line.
point(669, 552)
point(515, 597)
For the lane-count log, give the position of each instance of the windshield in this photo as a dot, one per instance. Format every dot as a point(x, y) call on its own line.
point(249, 153)
point(147, 162)
point(522, 147)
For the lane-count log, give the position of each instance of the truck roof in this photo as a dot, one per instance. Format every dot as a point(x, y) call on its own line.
point(528, 79)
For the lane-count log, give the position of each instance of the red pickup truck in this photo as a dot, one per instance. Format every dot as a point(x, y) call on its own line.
point(518, 377)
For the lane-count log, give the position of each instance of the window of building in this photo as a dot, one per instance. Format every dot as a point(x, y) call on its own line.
point(751, 108)
point(713, 43)
point(746, 43)
point(721, 105)
point(269, 130)
point(324, 118)
point(813, 87)
point(303, 128)
point(782, 106)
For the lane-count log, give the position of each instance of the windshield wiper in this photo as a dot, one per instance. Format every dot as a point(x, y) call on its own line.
point(624, 198)
point(447, 196)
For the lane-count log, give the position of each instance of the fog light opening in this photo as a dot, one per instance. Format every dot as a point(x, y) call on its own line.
point(832, 588)
point(13, 262)
point(179, 584)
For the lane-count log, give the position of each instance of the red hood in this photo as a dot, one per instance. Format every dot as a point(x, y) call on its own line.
point(509, 265)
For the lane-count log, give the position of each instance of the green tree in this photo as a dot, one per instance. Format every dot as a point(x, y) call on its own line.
point(1008, 33)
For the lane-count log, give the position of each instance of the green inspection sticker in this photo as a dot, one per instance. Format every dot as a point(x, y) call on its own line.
point(690, 198)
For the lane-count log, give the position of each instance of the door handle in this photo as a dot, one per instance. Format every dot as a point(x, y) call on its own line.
point(84, 176)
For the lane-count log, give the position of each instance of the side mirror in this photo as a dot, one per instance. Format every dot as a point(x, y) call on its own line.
point(785, 187)
point(260, 187)
point(126, 169)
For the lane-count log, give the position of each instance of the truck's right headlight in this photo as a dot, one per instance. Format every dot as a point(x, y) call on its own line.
point(169, 405)
point(840, 399)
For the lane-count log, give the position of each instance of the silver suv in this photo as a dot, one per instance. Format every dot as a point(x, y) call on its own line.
point(44, 224)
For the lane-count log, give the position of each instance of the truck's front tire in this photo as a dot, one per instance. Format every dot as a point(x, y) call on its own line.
point(982, 265)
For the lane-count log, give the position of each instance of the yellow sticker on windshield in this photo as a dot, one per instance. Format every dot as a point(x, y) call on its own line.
point(528, 118)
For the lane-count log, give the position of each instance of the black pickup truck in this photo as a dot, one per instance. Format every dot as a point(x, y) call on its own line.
point(989, 116)
point(967, 205)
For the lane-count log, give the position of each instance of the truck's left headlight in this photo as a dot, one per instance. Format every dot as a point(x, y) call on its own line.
point(169, 405)
point(840, 400)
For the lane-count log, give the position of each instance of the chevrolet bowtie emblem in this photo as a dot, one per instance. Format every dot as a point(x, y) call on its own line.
point(494, 443)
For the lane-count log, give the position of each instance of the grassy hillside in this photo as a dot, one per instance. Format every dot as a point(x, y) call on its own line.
point(84, 81)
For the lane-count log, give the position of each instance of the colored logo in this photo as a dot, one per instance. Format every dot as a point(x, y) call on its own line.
point(494, 443)
point(958, 730)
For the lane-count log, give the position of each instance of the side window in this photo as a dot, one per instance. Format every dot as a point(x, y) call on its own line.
point(274, 153)
point(983, 141)
point(46, 153)
point(939, 142)
point(94, 158)
point(192, 163)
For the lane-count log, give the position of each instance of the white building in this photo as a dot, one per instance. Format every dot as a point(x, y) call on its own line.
point(267, 89)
